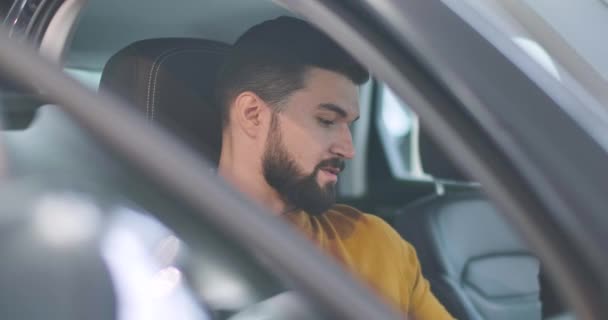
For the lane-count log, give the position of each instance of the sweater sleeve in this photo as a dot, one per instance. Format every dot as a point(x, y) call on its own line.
point(423, 305)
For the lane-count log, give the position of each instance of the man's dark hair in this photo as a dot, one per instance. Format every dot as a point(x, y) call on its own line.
point(271, 60)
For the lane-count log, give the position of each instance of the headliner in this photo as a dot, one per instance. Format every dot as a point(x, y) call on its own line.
point(107, 26)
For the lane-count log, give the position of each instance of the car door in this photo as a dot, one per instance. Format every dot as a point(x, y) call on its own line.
point(467, 105)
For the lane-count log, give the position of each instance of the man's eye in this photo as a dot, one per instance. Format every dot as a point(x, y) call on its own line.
point(325, 122)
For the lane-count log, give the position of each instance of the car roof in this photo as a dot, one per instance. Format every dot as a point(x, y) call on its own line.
point(107, 26)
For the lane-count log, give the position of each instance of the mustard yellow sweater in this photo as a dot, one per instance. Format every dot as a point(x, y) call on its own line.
point(374, 251)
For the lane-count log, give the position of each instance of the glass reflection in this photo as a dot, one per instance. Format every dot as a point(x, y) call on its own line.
point(66, 219)
point(145, 287)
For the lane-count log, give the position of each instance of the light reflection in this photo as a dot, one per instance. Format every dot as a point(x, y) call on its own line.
point(143, 288)
point(539, 54)
point(167, 250)
point(223, 290)
point(165, 282)
point(395, 119)
point(64, 220)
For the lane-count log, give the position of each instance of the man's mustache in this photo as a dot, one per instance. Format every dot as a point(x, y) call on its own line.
point(337, 163)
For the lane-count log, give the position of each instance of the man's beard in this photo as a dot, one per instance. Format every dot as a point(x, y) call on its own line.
point(297, 189)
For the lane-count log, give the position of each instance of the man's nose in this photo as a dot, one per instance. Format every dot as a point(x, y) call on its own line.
point(343, 147)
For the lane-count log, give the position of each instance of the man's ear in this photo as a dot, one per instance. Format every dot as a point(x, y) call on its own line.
point(249, 111)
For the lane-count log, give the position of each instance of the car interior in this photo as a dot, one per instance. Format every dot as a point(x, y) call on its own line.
point(162, 58)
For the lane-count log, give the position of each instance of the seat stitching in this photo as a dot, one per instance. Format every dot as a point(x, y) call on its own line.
point(150, 107)
point(158, 58)
point(158, 65)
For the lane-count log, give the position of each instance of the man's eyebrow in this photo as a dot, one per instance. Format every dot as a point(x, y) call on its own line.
point(337, 109)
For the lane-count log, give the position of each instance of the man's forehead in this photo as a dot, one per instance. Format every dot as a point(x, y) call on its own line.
point(341, 110)
point(332, 88)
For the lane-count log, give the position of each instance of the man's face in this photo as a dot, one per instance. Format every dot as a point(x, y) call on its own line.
point(309, 140)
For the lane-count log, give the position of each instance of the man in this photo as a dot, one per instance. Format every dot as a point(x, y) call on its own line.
point(289, 96)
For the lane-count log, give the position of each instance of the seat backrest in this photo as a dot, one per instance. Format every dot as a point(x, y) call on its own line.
point(171, 80)
point(475, 263)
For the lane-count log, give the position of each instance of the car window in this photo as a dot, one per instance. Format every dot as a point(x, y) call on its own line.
point(89, 78)
point(398, 128)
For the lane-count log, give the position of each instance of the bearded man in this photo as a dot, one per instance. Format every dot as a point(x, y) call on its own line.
point(289, 95)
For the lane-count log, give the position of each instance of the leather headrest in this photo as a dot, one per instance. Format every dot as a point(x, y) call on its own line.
point(171, 80)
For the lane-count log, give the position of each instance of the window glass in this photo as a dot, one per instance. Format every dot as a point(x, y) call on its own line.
point(398, 128)
point(90, 78)
point(148, 265)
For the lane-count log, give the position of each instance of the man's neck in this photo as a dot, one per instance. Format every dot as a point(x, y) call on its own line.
point(246, 178)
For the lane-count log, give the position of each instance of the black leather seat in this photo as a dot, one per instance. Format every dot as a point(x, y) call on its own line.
point(476, 264)
point(171, 80)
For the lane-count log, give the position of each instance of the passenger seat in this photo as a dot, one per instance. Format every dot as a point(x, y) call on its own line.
point(477, 266)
